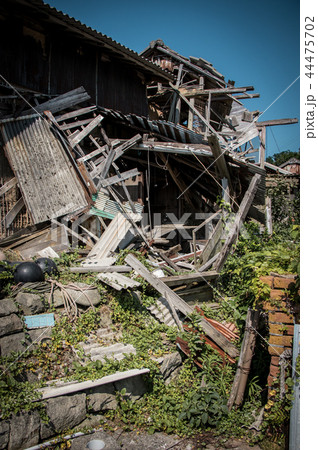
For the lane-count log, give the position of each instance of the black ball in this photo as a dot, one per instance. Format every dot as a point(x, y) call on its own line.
point(28, 272)
point(47, 265)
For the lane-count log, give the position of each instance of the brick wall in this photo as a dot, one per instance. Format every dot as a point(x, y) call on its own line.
point(282, 314)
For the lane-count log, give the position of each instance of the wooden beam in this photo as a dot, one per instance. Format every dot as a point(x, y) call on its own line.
point(272, 123)
point(8, 185)
point(120, 177)
point(240, 217)
point(262, 146)
point(180, 280)
point(67, 100)
point(76, 113)
point(220, 161)
point(181, 305)
point(244, 363)
point(206, 92)
point(14, 211)
point(82, 134)
point(194, 110)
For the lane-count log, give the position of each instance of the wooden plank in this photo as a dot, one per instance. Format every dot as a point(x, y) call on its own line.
point(100, 268)
point(126, 145)
point(181, 305)
point(82, 134)
point(91, 155)
point(77, 123)
point(8, 185)
point(206, 92)
point(219, 160)
point(210, 248)
point(67, 100)
point(272, 123)
point(121, 177)
point(240, 217)
point(269, 222)
point(76, 113)
point(168, 261)
point(14, 211)
point(188, 278)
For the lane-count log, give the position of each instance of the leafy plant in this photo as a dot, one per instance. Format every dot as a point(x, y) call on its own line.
point(204, 408)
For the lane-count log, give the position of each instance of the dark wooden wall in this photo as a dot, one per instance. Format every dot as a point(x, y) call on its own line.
point(39, 56)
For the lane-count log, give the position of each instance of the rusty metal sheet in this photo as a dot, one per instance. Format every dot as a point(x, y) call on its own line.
point(47, 179)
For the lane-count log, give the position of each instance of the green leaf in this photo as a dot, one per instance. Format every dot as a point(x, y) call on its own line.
point(204, 418)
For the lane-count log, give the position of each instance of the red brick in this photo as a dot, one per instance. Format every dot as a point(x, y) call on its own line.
point(270, 380)
point(267, 280)
point(275, 350)
point(283, 283)
point(277, 294)
point(286, 341)
point(279, 317)
point(275, 360)
point(274, 371)
point(278, 329)
point(274, 305)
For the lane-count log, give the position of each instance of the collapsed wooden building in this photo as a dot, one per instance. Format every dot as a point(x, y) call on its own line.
point(90, 129)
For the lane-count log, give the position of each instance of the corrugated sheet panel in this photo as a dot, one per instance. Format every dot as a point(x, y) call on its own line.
point(46, 177)
point(168, 130)
point(105, 207)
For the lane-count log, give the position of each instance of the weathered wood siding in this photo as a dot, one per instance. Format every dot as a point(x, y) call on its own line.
point(47, 59)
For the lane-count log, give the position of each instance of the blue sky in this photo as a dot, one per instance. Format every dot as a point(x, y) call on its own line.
point(252, 43)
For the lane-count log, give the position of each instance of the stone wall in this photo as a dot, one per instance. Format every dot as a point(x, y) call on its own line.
point(13, 335)
point(282, 314)
point(65, 412)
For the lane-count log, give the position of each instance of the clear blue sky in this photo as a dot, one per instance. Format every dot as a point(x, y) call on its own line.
point(253, 43)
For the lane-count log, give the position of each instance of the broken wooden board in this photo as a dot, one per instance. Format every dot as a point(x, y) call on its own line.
point(14, 211)
point(181, 305)
point(117, 281)
point(211, 247)
point(83, 133)
point(189, 278)
point(61, 102)
point(121, 177)
point(8, 185)
point(100, 269)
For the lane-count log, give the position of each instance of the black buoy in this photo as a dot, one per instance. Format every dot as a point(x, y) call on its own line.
point(47, 265)
point(28, 272)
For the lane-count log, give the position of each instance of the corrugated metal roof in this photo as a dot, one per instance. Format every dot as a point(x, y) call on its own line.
point(47, 179)
point(168, 130)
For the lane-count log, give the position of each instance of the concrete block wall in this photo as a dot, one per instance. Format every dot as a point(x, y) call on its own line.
point(282, 314)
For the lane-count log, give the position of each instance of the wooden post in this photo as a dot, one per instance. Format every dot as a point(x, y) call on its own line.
point(244, 363)
point(239, 219)
point(190, 115)
point(269, 223)
point(262, 136)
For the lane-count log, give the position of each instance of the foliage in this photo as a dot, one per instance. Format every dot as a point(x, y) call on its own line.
point(255, 255)
point(204, 407)
point(280, 158)
point(16, 396)
point(285, 202)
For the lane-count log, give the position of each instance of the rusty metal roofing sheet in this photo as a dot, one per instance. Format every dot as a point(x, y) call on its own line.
point(47, 179)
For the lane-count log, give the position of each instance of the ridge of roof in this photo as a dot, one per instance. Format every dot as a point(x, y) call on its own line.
point(71, 21)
